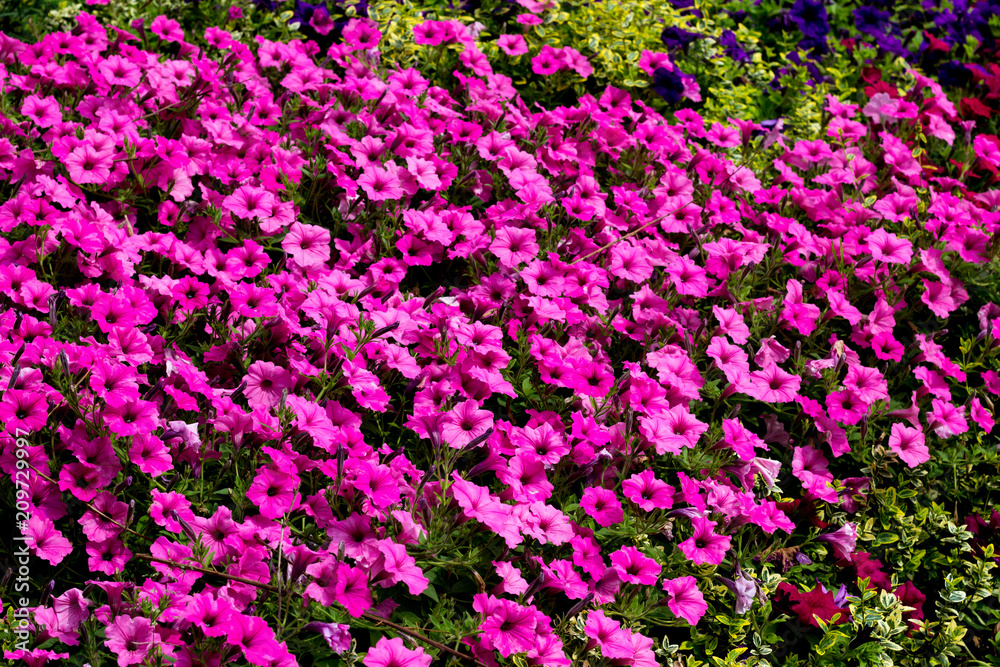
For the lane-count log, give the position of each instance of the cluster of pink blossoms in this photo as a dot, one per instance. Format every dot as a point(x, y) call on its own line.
point(213, 259)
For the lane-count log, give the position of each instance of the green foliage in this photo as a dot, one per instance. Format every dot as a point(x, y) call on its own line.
point(26, 19)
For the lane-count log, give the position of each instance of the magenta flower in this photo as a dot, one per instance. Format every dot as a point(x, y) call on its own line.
point(510, 628)
point(889, 248)
point(23, 411)
point(392, 653)
point(982, 416)
point(250, 202)
point(167, 29)
point(400, 567)
point(150, 454)
point(464, 423)
point(352, 589)
point(108, 556)
point(336, 635)
point(274, 492)
point(512, 45)
point(589, 378)
point(648, 492)
point(947, 419)
point(635, 567)
point(136, 418)
point(219, 533)
point(246, 261)
point(547, 62)
point(130, 638)
point(991, 381)
point(607, 635)
point(731, 323)
point(602, 505)
point(433, 33)
point(380, 184)
point(253, 300)
point(117, 71)
point(867, 383)
point(685, 600)
point(514, 246)
point(843, 540)
point(254, 637)
point(378, 484)
point(705, 546)
point(909, 444)
point(44, 111)
point(265, 383)
point(212, 614)
point(773, 385)
point(308, 245)
point(46, 541)
point(846, 407)
point(743, 442)
point(115, 383)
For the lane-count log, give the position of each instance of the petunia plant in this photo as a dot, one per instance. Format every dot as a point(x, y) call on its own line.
point(309, 357)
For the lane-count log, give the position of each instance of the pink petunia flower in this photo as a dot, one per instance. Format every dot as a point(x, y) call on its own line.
point(308, 245)
point(392, 653)
point(150, 454)
point(212, 614)
point(380, 184)
point(846, 407)
point(635, 567)
point(705, 546)
point(773, 385)
point(23, 411)
point(464, 423)
point(166, 505)
point(513, 246)
point(130, 638)
point(982, 416)
point(108, 556)
point(512, 45)
point(685, 599)
point(378, 484)
point(274, 492)
point(909, 444)
point(352, 589)
point(602, 505)
point(137, 418)
point(510, 628)
point(254, 637)
point(115, 383)
point(648, 492)
point(43, 111)
point(45, 540)
point(947, 419)
point(265, 383)
point(167, 29)
point(608, 635)
point(250, 202)
point(843, 540)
